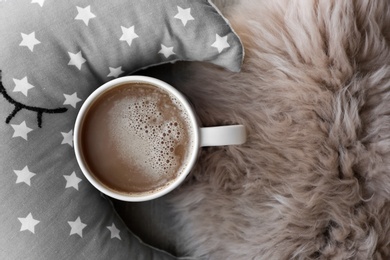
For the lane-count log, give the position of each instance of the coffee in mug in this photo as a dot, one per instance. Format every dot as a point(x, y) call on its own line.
point(136, 138)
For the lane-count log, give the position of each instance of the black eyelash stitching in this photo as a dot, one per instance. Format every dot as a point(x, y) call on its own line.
point(19, 106)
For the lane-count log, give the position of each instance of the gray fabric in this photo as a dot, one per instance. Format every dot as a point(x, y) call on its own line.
point(53, 54)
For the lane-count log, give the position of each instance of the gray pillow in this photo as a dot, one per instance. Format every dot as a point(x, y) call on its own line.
point(53, 54)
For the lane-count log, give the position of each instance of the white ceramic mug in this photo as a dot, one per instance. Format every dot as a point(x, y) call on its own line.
point(202, 136)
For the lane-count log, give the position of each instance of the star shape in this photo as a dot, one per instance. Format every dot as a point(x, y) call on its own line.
point(24, 176)
point(84, 14)
point(22, 85)
point(220, 43)
point(128, 35)
point(76, 227)
point(166, 51)
point(71, 99)
point(29, 41)
point(76, 59)
point(115, 72)
point(28, 223)
point(67, 138)
point(184, 15)
point(114, 231)
point(40, 2)
point(21, 130)
point(72, 181)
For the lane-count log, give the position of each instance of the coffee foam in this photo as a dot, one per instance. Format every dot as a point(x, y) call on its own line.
point(149, 137)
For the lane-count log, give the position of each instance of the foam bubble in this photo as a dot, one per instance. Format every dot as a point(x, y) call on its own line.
point(148, 132)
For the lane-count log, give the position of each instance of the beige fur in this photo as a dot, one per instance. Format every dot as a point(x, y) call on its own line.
point(313, 180)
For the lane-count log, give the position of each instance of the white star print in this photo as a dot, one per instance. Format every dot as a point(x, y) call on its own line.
point(76, 227)
point(220, 43)
point(115, 72)
point(71, 99)
point(166, 51)
point(21, 130)
point(28, 223)
point(76, 59)
point(24, 176)
point(68, 138)
point(29, 41)
point(40, 2)
point(84, 14)
point(184, 15)
point(128, 35)
point(114, 231)
point(22, 85)
point(72, 181)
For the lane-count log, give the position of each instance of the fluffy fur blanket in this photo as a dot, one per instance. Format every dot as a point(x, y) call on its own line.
point(313, 180)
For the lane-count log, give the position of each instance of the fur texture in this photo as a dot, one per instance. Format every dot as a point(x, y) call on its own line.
point(313, 180)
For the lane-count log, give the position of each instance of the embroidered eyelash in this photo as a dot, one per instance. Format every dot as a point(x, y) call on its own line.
point(19, 106)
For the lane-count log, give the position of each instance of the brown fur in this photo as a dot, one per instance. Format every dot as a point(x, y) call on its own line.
point(313, 180)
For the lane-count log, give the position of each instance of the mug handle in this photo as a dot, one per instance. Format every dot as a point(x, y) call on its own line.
point(222, 135)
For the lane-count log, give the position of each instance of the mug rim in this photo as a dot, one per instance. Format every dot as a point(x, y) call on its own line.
point(77, 138)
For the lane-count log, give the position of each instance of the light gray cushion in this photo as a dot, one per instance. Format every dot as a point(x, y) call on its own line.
point(53, 54)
